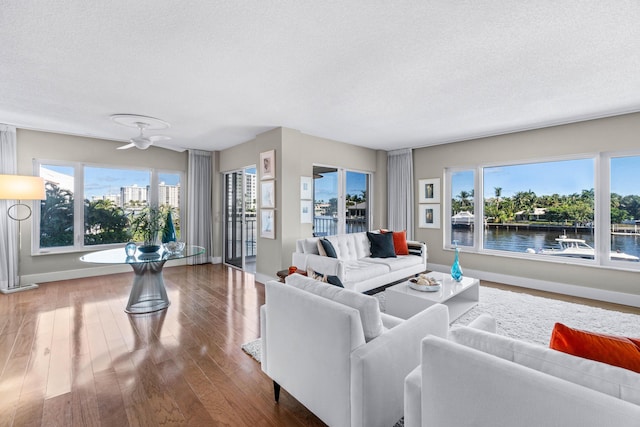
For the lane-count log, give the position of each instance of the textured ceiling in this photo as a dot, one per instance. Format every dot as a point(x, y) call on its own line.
point(383, 75)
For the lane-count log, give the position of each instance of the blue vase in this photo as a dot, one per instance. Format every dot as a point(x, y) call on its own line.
point(169, 232)
point(456, 270)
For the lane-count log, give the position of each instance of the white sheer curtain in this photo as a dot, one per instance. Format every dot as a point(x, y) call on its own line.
point(200, 207)
point(9, 244)
point(400, 191)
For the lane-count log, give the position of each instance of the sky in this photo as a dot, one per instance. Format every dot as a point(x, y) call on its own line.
point(327, 186)
point(562, 177)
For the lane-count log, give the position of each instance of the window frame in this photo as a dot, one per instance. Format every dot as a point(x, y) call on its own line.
point(341, 174)
point(78, 205)
point(601, 206)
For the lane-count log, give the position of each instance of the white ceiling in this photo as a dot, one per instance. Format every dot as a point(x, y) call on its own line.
point(383, 75)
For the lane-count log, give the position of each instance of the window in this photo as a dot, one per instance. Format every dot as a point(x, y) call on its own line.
point(549, 209)
point(528, 207)
point(462, 207)
point(110, 196)
point(340, 201)
point(625, 208)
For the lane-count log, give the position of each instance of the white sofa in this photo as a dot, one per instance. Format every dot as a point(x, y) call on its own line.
point(333, 351)
point(479, 378)
point(354, 266)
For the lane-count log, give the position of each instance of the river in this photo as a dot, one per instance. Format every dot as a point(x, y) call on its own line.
point(520, 240)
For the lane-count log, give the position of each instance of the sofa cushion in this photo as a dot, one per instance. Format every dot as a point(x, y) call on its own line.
point(394, 264)
point(350, 246)
point(617, 382)
point(613, 350)
point(328, 248)
point(381, 245)
point(361, 270)
point(367, 306)
point(399, 241)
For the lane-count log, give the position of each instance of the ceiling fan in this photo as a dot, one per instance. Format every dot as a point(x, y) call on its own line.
point(143, 123)
point(141, 141)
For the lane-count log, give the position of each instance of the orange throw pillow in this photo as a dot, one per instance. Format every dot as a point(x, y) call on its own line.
point(613, 350)
point(399, 241)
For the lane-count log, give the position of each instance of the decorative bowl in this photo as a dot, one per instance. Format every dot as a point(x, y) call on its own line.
point(174, 247)
point(149, 249)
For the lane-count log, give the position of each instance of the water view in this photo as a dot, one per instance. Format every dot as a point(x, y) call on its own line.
point(519, 240)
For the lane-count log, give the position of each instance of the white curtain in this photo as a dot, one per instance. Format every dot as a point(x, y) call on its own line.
point(200, 207)
point(400, 191)
point(9, 243)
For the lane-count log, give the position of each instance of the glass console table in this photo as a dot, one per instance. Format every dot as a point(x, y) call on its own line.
point(148, 292)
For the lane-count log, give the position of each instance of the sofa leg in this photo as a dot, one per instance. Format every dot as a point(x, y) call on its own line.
point(276, 390)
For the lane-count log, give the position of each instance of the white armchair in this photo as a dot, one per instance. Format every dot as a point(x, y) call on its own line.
point(314, 346)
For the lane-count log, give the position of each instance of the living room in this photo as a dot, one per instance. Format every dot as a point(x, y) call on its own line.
point(494, 120)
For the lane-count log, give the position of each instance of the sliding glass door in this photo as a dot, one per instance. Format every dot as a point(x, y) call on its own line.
point(240, 226)
point(340, 201)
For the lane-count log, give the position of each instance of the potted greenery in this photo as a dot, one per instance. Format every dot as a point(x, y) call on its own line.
point(145, 226)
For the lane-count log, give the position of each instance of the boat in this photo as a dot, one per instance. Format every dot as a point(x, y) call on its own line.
point(462, 219)
point(578, 248)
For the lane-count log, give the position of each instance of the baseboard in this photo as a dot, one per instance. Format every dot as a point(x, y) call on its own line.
point(19, 288)
point(54, 276)
point(543, 285)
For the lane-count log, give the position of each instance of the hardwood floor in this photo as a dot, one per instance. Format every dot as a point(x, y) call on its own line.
point(71, 356)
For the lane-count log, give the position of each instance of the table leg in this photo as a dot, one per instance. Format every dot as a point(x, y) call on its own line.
point(148, 293)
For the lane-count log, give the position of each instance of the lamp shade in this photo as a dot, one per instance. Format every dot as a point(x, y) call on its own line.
point(22, 187)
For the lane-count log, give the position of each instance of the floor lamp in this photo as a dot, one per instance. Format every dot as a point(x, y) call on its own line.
point(19, 187)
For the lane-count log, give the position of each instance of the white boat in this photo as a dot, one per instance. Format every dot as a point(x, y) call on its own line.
point(578, 248)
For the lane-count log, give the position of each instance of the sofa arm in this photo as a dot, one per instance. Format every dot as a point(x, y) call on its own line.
point(326, 265)
point(413, 398)
point(263, 333)
point(383, 364)
point(418, 248)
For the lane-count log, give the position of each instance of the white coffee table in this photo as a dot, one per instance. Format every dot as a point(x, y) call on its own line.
point(460, 297)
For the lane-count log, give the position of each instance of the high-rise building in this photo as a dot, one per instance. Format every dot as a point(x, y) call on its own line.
point(134, 195)
point(169, 195)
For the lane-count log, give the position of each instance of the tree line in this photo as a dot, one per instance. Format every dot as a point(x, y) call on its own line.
point(576, 208)
point(104, 221)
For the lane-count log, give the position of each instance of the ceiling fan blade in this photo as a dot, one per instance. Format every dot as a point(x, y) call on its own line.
point(126, 147)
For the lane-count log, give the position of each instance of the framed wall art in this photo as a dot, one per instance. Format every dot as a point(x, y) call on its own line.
point(306, 188)
point(268, 165)
point(429, 190)
point(429, 215)
point(306, 212)
point(267, 223)
point(267, 194)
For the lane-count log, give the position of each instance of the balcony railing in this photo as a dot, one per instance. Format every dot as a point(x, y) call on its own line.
point(328, 226)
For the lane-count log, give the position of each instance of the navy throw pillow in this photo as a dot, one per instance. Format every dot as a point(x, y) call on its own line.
point(381, 245)
point(328, 248)
point(335, 280)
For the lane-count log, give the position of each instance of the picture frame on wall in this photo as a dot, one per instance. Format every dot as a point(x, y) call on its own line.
point(306, 188)
point(429, 215)
point(267, 194)
point(306, 212)
point(267, 223)
point(429, 190)
point(268, 164)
